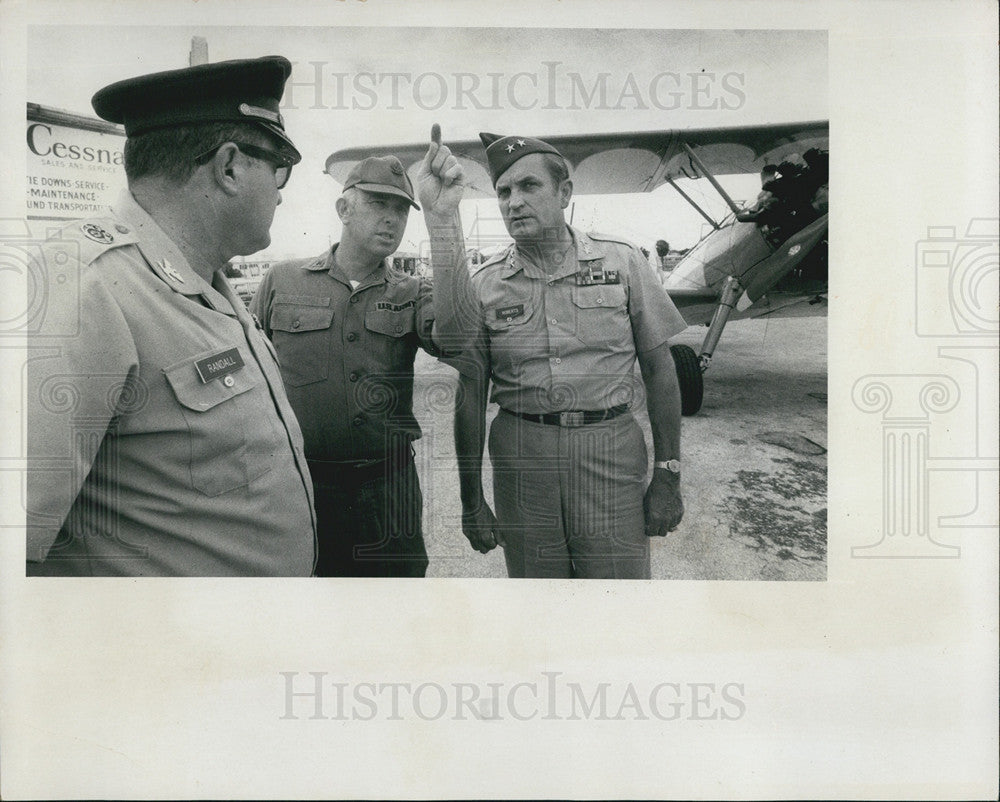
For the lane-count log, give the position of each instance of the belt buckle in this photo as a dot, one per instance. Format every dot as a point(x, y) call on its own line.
point(573, 417)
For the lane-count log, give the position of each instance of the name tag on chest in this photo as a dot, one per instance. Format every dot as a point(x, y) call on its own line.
point(218, 365)
point(588, 278)
point(391, 307)
point(510, 312)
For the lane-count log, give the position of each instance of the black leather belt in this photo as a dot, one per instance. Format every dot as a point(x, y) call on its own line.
point(574, 417)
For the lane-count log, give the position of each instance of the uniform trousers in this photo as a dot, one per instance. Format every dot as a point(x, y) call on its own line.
point(368, 519)
point(569, 500)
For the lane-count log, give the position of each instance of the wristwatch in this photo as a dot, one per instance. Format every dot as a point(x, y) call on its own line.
point(672, 465)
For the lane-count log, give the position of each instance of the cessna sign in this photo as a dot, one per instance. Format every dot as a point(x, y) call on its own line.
point(74, 165)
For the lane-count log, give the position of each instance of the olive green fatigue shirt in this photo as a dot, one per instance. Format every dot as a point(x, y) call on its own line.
point(160, 439)
point(568, 341)
point(347, 354)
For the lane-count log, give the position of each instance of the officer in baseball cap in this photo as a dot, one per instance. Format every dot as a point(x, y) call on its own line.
point(191, 462)
point(347, 326)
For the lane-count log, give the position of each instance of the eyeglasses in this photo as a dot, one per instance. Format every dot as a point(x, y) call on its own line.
point(282, 164)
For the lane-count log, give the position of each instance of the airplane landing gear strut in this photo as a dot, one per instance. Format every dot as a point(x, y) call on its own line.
point(731, 291)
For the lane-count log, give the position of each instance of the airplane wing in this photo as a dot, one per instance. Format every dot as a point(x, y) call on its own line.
point(625, 162)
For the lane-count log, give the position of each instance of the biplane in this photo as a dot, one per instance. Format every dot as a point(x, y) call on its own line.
point(737, 270)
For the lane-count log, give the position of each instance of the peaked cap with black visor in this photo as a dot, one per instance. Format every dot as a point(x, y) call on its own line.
point(240, 91)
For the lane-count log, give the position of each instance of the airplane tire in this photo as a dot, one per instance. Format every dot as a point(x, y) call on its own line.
point(689, 378)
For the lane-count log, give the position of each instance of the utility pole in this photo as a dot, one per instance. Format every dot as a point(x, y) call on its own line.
point(199, 51)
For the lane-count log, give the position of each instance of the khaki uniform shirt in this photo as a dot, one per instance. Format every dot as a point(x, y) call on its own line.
point(347, 354)
point(568, 341)
point(160, 440)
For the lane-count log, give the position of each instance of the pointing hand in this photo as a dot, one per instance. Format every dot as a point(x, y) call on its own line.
point(440, 178)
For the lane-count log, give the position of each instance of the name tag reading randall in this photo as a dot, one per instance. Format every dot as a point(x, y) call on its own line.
point(218, 365)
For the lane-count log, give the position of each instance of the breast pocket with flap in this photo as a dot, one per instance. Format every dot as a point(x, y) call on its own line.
point(218, 413)
point(601, 314)
point(300, 328)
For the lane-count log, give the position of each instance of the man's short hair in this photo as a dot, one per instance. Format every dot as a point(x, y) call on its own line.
point(556, 166)
point(350, 196)
point(171, 152)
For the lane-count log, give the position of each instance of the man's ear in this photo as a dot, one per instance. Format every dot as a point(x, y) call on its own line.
point(228, 166)
point(343, 208)
point(565, 192)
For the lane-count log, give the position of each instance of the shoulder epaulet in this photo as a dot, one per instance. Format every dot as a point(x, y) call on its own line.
point(608, 238)
point(291, 264)
point(497, 258)
point(90, 238)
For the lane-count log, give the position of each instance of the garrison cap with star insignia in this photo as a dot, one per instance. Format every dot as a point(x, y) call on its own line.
point(242, 91)
point(503, 151)
point(383, 175)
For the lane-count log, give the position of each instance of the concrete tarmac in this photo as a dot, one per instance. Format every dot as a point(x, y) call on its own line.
point(754, 462)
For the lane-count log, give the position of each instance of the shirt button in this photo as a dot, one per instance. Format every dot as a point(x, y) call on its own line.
point(399, 329)
point(121, 229)
point(296, 324)
point(229, 381)
point(556, 359)
point(352, 337)
point(358, 421)
point(553, 321)
point(354, 299)
point(353, 377)
point(600, 300)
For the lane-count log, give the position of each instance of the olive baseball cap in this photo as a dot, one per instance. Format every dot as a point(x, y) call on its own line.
point(383, 175)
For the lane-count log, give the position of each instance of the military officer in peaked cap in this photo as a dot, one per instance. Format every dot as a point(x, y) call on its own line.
point(160, 439)
point(347, 326)
point(563, 317)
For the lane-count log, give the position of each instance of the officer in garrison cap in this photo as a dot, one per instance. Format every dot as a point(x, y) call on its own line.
point(347, 326)
point(563, 317)
point(160, 439)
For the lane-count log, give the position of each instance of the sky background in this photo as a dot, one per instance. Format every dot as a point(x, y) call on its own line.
point(524, 81)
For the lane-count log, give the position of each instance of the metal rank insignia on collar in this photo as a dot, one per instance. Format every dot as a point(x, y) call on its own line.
point(597, 275)
point(171, 272)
